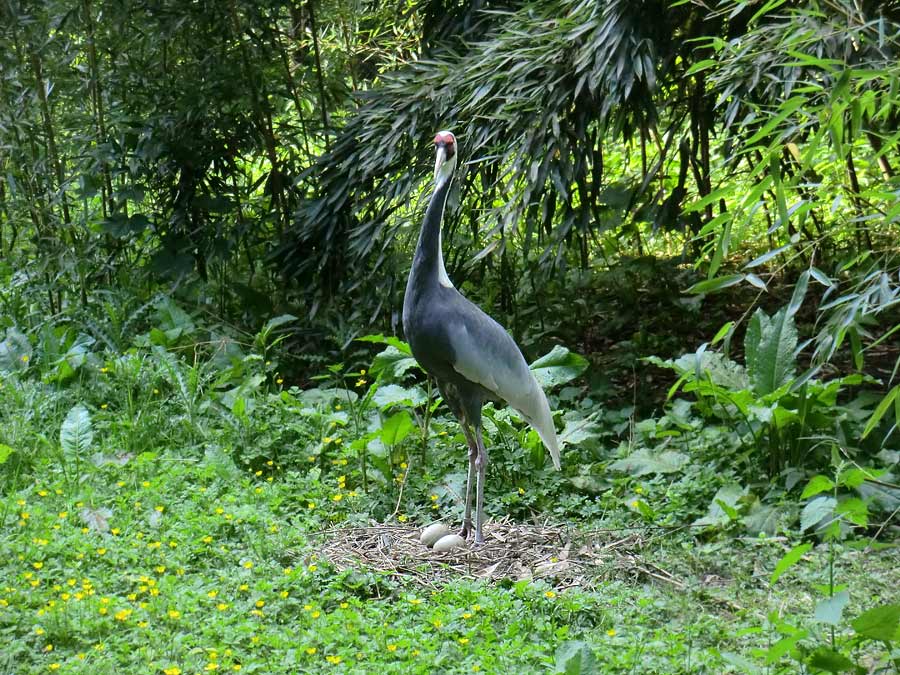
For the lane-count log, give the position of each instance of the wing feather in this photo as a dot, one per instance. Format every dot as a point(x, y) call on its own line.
point(485, 353)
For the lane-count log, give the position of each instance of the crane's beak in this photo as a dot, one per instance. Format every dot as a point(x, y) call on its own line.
point(439, 160)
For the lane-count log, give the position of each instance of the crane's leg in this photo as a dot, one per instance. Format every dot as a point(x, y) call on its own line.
point(481, 462)
point(473, 454)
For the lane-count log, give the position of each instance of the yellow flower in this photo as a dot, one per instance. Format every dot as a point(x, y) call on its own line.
point(174, 670)
point(37, 565)
point(222, 606)
point(611, 632)
point(103, 406)
point(174, 614)
point(402, 518)
point(392, 648)
point(260, 603)
point(467, 615)
point(207, 539)
point(316, 614)
point(122, 614)
point(311, 650)
point(159, 509)
point(437, 623)
point(463, 641)
point(211, 666)
point(434, 498)
point(243, 587)
point(248, 565)
point(39, 631)
point(160, 569)
point(333, 659)
point(53, 666)
point(415, 601)
point(345, 605)
point(550, 594)
point(212, 594)
point(337, 497)
point(313, 568)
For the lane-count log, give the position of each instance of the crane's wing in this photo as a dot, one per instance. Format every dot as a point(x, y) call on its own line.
point(483, 352)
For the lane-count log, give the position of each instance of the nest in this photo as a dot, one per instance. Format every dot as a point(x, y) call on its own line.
point(512, 551)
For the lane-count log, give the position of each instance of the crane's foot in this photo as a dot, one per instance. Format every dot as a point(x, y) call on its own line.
point(465, 530)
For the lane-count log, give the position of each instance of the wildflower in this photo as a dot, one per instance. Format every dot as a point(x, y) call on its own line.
point(243, 587)
point(159, 509)
point(122, 614)
point(211, 666)
point(115, 531)
point(611, 632)
point(280, 380)
point(207, 539)
point(437, 623)
point(288, 570)
point(63, 514)
point(248, 565)
point(402, 518)
point(338, 497)
point(521, 491)
point(54, 666)
point(212, 594)
point(37, 565)
point(434, 498)
point(316, 614)
point(283, 594)
point(415, 601)
point(221, 606)
point(174, 614)
point(392, 647)
point(333, 659)
point(103, 406)
point(260, 603)
point(25, 358)
point(345, 605)
point(160, 569)
point(463, 641)
point(174, 670)
point(550, 594)
point(467, 615)
point(311, 650)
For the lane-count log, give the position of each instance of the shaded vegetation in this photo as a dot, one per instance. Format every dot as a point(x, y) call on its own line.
point(207, 213)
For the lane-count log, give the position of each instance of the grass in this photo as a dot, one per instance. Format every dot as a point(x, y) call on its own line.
point(198, 572)
point(167, 528)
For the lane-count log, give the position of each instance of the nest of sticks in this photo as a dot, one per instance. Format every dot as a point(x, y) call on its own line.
point(512, 551)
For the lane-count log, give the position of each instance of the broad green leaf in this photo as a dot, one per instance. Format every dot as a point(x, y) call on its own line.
point(816, 485)
point(576, 658)
point(15, 351)
point(311, 398)
point(830, 609)
point(392, 362)
point(76, 433)
point(717, 284)
point(815, 511)
point(558, 367)
point(783, 646)
point(830, 661)
point(723, 507)
point(5, 453)
point(881, 409)
point(879, 623)
point(788, 560)
point(393, 394)
point(799, 294)
point(723, 331)
point(394, 342)
point(769, 346)
point(642, 462)
point(855, 510)
point(277, 321)
point(395, 428)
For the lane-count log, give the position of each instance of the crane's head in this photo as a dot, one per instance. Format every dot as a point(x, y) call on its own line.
point(445, 162)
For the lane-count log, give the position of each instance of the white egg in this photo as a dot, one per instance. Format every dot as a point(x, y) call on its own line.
point(449, 542)
point(432, 533)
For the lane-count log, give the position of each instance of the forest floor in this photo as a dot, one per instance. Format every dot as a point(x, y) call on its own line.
point(172, 565)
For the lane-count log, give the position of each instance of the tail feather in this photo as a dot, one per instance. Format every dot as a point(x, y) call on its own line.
point(541, 420)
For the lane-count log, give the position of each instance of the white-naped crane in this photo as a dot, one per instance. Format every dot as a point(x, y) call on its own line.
point(471, 356)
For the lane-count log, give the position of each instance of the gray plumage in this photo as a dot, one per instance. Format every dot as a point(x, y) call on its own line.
point(471, 356)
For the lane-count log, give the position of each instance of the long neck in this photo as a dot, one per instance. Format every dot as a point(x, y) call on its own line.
point(428, 262)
